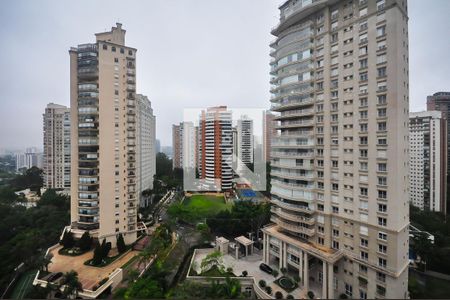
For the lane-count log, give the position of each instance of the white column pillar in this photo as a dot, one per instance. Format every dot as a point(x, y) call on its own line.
point(264, 248)
point(237, 251)
point(324, 280)
point(300, 268)
point(280, 254)
point(306, 273)
point(246, 250)
point(330, 281)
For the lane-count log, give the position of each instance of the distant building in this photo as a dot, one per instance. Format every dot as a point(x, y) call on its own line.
point(269, 133)
point(146, 152)
point(245, 141)
point(176, 146)
point(216, 148)
point(56, 157)
point(428, 160)
point(157, 146)
point(30, 158)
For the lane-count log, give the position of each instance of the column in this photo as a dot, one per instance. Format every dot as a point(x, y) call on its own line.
point(264, 249)
point(237, 251)
point(330, 281)
point(246, 250)
point(300, 268)
point(306, 273)
point(324, 280)
point(281, 254)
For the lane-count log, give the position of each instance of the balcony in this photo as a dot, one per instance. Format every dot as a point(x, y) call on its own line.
point(282, 154)
point(292, 227)
point(294, 124)
point(292, 217)
point(293, 207)
point(294, 113)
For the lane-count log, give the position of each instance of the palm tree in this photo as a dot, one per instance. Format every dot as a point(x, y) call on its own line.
point(71, 284)
point(231, 288)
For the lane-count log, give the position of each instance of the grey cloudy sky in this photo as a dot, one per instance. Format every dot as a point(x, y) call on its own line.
point(191, 53)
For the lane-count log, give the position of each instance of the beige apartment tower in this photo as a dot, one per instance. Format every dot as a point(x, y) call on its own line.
point(56, 156)
point(340, 157)
point(104, 194)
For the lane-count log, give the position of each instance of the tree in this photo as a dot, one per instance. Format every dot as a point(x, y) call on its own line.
point(105, 247)
point(68, 241)
point(145, 289)
point(275, 273)
point(278, 295)
point(311, 295)
point(211, 260)
point(244, 273)
point(97, 259)
point(422, 246)
point(268, 290)
point(85, 242)
point(121, 247)
point(231, 288)
point(283, 271)
point(71, 284)
point(262, 283)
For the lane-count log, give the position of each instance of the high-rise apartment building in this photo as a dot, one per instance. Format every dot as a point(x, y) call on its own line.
point(216, 148)
point(269, 132)
point(245, 140)
point(146, 152)
point(104, 178)
point(176, 146)
point(184, 137)
point(428, 160)
point(340, 159)
point(30, 158)
point(56, 146)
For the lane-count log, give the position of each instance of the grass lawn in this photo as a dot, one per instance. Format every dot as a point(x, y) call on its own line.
point(206, 205)
point(23, 285)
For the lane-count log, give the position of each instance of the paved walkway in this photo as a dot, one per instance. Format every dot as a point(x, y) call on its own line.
point(89, 276)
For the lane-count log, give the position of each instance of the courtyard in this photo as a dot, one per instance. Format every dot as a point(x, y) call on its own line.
point(88, 276)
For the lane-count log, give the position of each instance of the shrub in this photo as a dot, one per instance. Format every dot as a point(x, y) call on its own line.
point(290, 297)
point(67, 239)
point(310, 295)
point(269, 290)
point(85, 242)
point(296, 278)
point(106, 247)
point(230, 270)
point(275, 273)
point(283, 271)
point(103, 281)
point(343, 296)
point(262, 283)
point(278, 295)
point(121, 247)
point(98, 255)
point(244, 273)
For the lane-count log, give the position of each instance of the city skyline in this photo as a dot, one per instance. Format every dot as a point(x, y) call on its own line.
point(200, 74)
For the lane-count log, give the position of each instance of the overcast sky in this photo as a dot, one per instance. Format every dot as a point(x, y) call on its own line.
point(191, 53)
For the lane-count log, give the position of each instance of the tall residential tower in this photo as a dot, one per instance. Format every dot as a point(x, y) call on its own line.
point(104, 191)
point(56, 155)
point(340, 159)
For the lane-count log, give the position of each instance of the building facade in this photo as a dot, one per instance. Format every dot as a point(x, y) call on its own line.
point(146, 138)
point(269, 133)
point(245, 141)
point(30, 158)
point(184, 141)
point(176, 146)
point(340, 158)
point(104, 180)
point(56, 157)
point(216, 148)
point(428, 160)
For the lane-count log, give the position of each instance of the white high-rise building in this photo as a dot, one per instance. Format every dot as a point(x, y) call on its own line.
point(185, 139)
point(428, 160)
point(245, 141)
point(56, 157)
point(146, 138)
point(340, 159)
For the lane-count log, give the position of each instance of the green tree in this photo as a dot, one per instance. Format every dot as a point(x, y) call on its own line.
point(85, 242)
point(231, 288)
point(105, 247)
point(121, 247)
point(68, 241)
point(97, 259)
point(145, 289)
point(71, 284)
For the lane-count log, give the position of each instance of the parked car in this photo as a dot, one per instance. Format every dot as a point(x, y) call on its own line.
point(265, 268)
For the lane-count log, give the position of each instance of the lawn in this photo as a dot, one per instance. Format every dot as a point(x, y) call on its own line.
point(198, 207)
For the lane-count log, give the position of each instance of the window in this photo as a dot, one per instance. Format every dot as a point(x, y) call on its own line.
point(382, 236)
point(362, 268)
point(364, 243)
point(363, 63)
point(116, 60)
point(363, 114)
point(363, 102)
point(363, 76)
point(382, 248)
point(113, 49)
point(335, 232)
point(334, 14)
point(381, 277)
point(364, 167)
point(363, 140)
point(381, 290)
point(364, 255)
point(381, 31)
point(382, 262)
point(363, 38)
point(380, 4)
point(130, 52)
point(382, 167)
point(363, 127)
point(334, 37)
point(382, 194)
point(382, 207)
point(335, 187)
point(122, 50)
point(381, 72)
point(348, 290)
point(381, 58)
point(382, 221)
point(363, 153)
point(363, 25)
point(363, 191)
point(382, 180)
point(363, 12)
point(381, 86)
point(335, 245)
point(363, 50)
point(381, 99)
point(382, 112)
point(382, 126)
point(105, 47)
point(334, 25)
point(381, 45)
